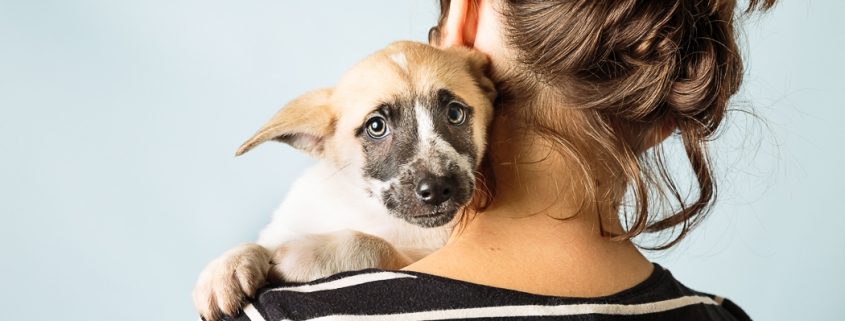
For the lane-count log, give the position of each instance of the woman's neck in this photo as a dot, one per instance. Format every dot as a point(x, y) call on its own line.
point(537, 237)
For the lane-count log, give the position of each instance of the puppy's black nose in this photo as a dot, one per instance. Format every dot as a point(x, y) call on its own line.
point(435, 190)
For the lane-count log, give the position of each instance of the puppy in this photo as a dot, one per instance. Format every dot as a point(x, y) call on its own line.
point(398, 140)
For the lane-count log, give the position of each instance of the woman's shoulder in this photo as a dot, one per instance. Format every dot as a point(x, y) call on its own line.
point(374, 294)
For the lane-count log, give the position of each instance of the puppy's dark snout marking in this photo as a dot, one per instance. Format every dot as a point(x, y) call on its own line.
point(434, 190)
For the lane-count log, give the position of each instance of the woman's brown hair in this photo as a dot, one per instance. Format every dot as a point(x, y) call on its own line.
point(633, 67)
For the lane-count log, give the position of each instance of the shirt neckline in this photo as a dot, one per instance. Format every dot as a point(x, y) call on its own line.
point(658, 274)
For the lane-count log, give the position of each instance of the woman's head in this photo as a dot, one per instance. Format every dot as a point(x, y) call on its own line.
point(605, 81)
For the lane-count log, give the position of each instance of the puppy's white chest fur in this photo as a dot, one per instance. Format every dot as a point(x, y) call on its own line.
point(326, 199)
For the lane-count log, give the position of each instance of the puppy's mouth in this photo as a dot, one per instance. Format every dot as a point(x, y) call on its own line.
point(404, 202)
point(427, 200)
point(432, 219)
point(432, 215)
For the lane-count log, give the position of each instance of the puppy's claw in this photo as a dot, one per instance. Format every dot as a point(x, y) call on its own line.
point(227, 281)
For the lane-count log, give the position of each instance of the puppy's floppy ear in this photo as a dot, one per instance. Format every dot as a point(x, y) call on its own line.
point(479, 67)
point(304, 123)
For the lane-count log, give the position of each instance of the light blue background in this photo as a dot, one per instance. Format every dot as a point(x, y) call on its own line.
point(119, 119)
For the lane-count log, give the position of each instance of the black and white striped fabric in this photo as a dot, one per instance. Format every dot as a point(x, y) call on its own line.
point(399, 295)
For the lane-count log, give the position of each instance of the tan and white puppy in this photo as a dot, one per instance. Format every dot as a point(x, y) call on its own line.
point(398, 140)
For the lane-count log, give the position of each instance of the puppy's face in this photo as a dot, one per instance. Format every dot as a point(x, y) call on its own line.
point(409, 122)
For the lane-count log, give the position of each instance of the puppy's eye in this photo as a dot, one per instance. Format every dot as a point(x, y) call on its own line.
point(377, 127)
point(456, 113)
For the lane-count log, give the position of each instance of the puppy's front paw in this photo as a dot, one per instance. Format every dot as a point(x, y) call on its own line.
point(314, 256)
point(228, 280)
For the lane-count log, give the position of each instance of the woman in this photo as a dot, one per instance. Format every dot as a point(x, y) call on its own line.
point(588, 91)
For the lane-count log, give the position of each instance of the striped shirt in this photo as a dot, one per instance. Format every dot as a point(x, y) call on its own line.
point(377, 295)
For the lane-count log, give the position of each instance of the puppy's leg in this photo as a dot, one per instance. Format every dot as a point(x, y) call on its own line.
point(226, 282)
point(314, 256)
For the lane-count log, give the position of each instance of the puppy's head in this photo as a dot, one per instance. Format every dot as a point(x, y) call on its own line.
point(409, 122)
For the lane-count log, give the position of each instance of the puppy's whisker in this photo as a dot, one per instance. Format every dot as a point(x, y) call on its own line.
point(341, 169)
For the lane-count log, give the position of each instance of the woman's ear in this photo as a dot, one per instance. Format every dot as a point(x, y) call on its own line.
point(304, 123)
point(461, 24)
